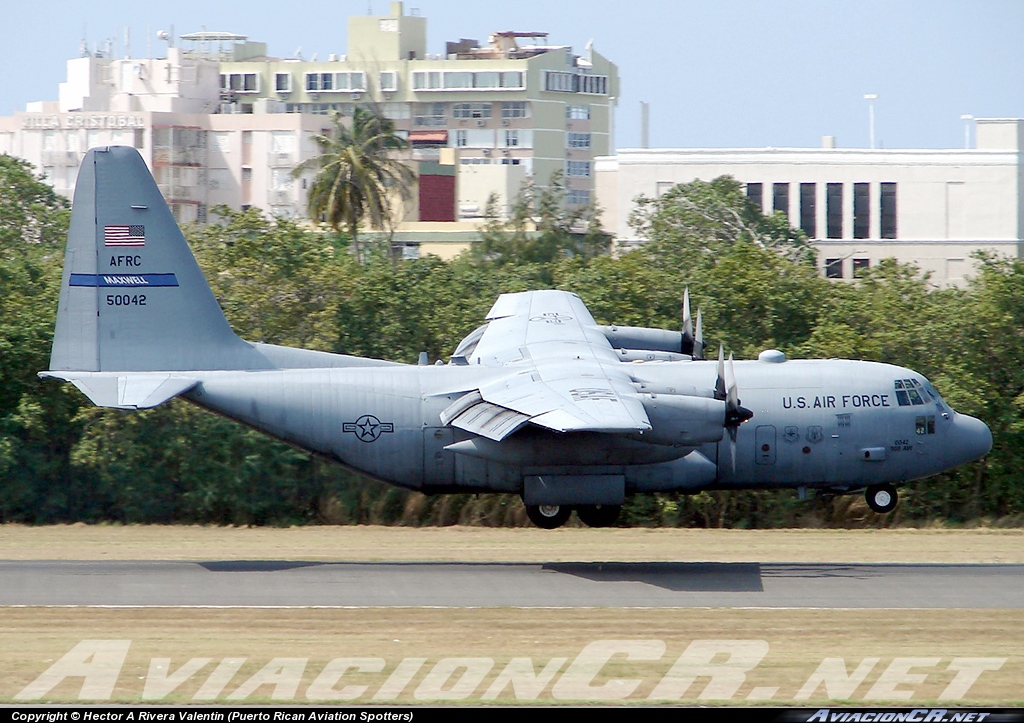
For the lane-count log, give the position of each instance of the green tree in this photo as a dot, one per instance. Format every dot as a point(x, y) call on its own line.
point(356, 173)
point(700, 220)
point(276, 281)
point(540, 229)
point(36, 427)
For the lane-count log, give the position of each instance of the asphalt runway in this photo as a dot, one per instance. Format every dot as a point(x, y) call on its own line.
point(557, 585)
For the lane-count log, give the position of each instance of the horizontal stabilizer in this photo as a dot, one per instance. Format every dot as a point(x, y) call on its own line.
point(126, 390)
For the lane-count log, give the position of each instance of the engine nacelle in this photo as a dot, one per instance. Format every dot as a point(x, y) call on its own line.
point(683, 420)
point(644, 339)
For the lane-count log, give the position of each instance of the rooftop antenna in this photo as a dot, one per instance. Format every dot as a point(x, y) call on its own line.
point(127, 42)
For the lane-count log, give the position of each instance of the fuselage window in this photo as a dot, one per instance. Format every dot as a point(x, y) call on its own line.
point(925, 425)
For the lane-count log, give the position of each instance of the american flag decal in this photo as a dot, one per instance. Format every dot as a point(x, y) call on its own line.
point(134, 235)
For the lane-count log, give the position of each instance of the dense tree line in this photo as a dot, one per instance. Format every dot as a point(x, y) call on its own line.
point(61, 459)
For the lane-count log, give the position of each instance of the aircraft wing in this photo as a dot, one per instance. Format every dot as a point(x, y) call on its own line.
point(564, 374)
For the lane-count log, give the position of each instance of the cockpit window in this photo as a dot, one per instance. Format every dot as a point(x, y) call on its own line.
point(910, 392)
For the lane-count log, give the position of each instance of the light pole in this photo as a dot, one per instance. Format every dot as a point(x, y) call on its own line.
point(871, 98)
point(967, 129)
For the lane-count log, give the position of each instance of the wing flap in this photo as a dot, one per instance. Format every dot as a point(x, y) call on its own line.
point(472, 414)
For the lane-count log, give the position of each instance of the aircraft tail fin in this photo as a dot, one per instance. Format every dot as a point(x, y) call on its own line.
point(132, 297)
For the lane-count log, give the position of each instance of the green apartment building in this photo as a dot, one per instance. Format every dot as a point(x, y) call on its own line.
point(499, 111)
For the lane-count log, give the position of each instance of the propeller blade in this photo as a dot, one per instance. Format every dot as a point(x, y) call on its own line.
point(698, 338)
point(732, 399)
point(687, 345)
point(720, 380)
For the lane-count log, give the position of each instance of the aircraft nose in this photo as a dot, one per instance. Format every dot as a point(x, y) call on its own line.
point(971, 438)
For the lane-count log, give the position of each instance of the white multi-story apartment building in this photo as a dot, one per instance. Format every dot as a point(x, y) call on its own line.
point(221, 122)
point(933, 208)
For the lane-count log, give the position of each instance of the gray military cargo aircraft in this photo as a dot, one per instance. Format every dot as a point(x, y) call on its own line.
point(541, 401)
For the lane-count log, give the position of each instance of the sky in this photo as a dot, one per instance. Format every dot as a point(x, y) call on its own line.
point(716, 73)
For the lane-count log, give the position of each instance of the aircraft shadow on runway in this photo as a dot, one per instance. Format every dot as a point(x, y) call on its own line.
point(675, 576)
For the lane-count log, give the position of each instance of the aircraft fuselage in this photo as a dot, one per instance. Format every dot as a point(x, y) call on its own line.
point(820, 423)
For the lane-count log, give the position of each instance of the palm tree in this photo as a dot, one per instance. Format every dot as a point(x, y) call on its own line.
point(356, 173)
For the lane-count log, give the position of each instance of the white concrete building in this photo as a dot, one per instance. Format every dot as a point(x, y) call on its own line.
point(930, 207)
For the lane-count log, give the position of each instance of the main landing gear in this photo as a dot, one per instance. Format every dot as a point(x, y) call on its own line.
point(598, 515)
point(549, 517)
point(881, 498)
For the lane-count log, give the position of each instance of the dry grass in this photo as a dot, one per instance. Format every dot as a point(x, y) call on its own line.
point(480, 544)
point(799, 640)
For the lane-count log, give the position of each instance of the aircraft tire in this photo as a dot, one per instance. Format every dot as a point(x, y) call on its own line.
point(881, 498)
point(548, 517)
point(598, 515)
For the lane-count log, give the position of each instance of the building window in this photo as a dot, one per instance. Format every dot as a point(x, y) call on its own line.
point(577, 197)
point(887, 212)
point(458, 80)
point(461, 138)
point(861, 210)
point(593, 84)
point(283, 82)
point(471, 110)
point(511, 139)
point(395, 111)
point(578, 140)
point(577, 112)
point(561, 82)
point(430, 115)
point(860, 266)
point(833, 268)
point(388, 80)
point(513, 109)
point(336, 82)
point(808, 210)
point(780, 197)
point(579, 169)
point(755, 192)
point(834, 210)
point(466, 80)
point(240, 82)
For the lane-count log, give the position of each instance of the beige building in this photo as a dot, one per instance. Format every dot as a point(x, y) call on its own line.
point(930, 207)
point(221, 122)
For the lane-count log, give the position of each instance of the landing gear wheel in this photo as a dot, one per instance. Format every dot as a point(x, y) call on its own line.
point(548, 517)
point(598, 515)
point(881, 498)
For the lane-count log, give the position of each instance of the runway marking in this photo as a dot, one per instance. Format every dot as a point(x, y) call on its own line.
point(466, 607)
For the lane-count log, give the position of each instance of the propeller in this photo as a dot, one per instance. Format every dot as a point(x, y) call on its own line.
point(693, 342)
point(727, 390)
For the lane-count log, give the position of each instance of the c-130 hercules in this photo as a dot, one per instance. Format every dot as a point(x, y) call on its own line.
point(541, 401)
